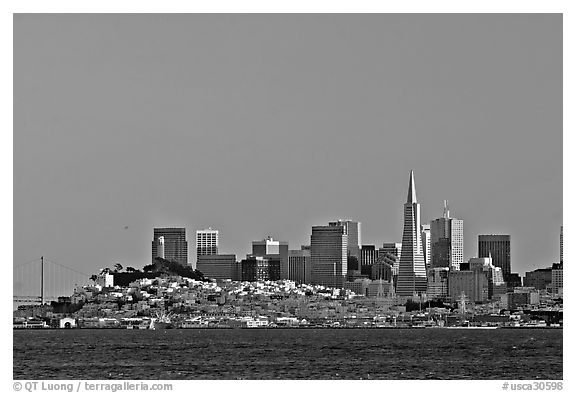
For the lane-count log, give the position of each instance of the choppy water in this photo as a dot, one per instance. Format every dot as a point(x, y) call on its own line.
point(288, 354)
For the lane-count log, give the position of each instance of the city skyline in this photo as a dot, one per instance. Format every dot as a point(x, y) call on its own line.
point(118, 129)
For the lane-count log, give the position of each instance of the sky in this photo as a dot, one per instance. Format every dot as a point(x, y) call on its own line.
point(260, 125)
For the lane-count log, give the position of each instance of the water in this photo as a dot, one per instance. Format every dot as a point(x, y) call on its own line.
point(288, 354)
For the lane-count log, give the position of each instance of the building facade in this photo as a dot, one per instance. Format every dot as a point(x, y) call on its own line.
point(473, 283)
point(447, 241)
point(437, 283)
point(207, 241)
point(218, 266)
point(273, 249)
point(354, 231)
point(539, 278)
point(426, 244)
point(329, 255)
point(255, 268)
point(498, 247)
point(299, 266)
point(412, 269)
point(175, 244)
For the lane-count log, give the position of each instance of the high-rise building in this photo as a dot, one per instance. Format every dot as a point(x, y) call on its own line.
point(368, 255)
point(218, 266)
point(497, 246)
point(354, 231)
point(256, 268)
point(447, 241)
point(391, 248)
point(273, 249)
point(175, 244)
point(561, 244)
point(412, 269)
point(437, 283)
point(425, 233)
point(557, 284)
point(160, 248)
point(206, 242)
point(539, 278)
point(299, 266)
point(329, 255)
point(473, 283)
point(496, 284)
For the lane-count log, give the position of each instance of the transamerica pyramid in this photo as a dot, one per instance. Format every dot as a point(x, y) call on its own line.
point(412, 268)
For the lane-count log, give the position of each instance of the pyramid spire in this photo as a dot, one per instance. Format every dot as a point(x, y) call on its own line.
point(411, 190)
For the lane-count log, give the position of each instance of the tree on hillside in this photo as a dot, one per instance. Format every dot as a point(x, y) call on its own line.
point(118, 268)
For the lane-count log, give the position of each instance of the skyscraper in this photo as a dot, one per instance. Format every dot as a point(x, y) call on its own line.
point(497, 246)
point(561, 244)
point(354, 231)
point(412, 269)
point(425, 233)
point(206, 242)
point(273, 249)
point(175, 244)
point(447, 241)
point(329, 255)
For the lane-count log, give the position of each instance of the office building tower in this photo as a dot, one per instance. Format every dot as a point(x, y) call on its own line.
point(425, 233)
point(329, 255)
point(175, 244)
point(299, 266)
point(473, 283)
point(498, 247)
point(218, 266)
point(273, 249)
point(368, 255)
point(538, 279)
point(354, 231)
point(437, 283)
point(256, 268)
point(207, 241)
point(395, 249)
point(557, 285)
point(561, 244)
point(447, 241)
point(496, 284)
point(412, 269)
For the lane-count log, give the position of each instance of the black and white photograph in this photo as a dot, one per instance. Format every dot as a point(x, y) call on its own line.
point(287, 196)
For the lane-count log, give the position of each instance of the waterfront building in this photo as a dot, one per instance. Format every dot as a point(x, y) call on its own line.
point(354, 231)
point(207, 241)
point(539, 278)
point(218, 266)
point(447, 241)
point(437, 283)
point(273, 249)
point(175, 244)
point(426, 244)
point(257, 268)
point(299, 266)
point(498, 247)
point(412, 269)
point(329, 255)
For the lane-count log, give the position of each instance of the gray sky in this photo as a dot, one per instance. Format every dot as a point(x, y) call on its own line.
point(269, 124)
